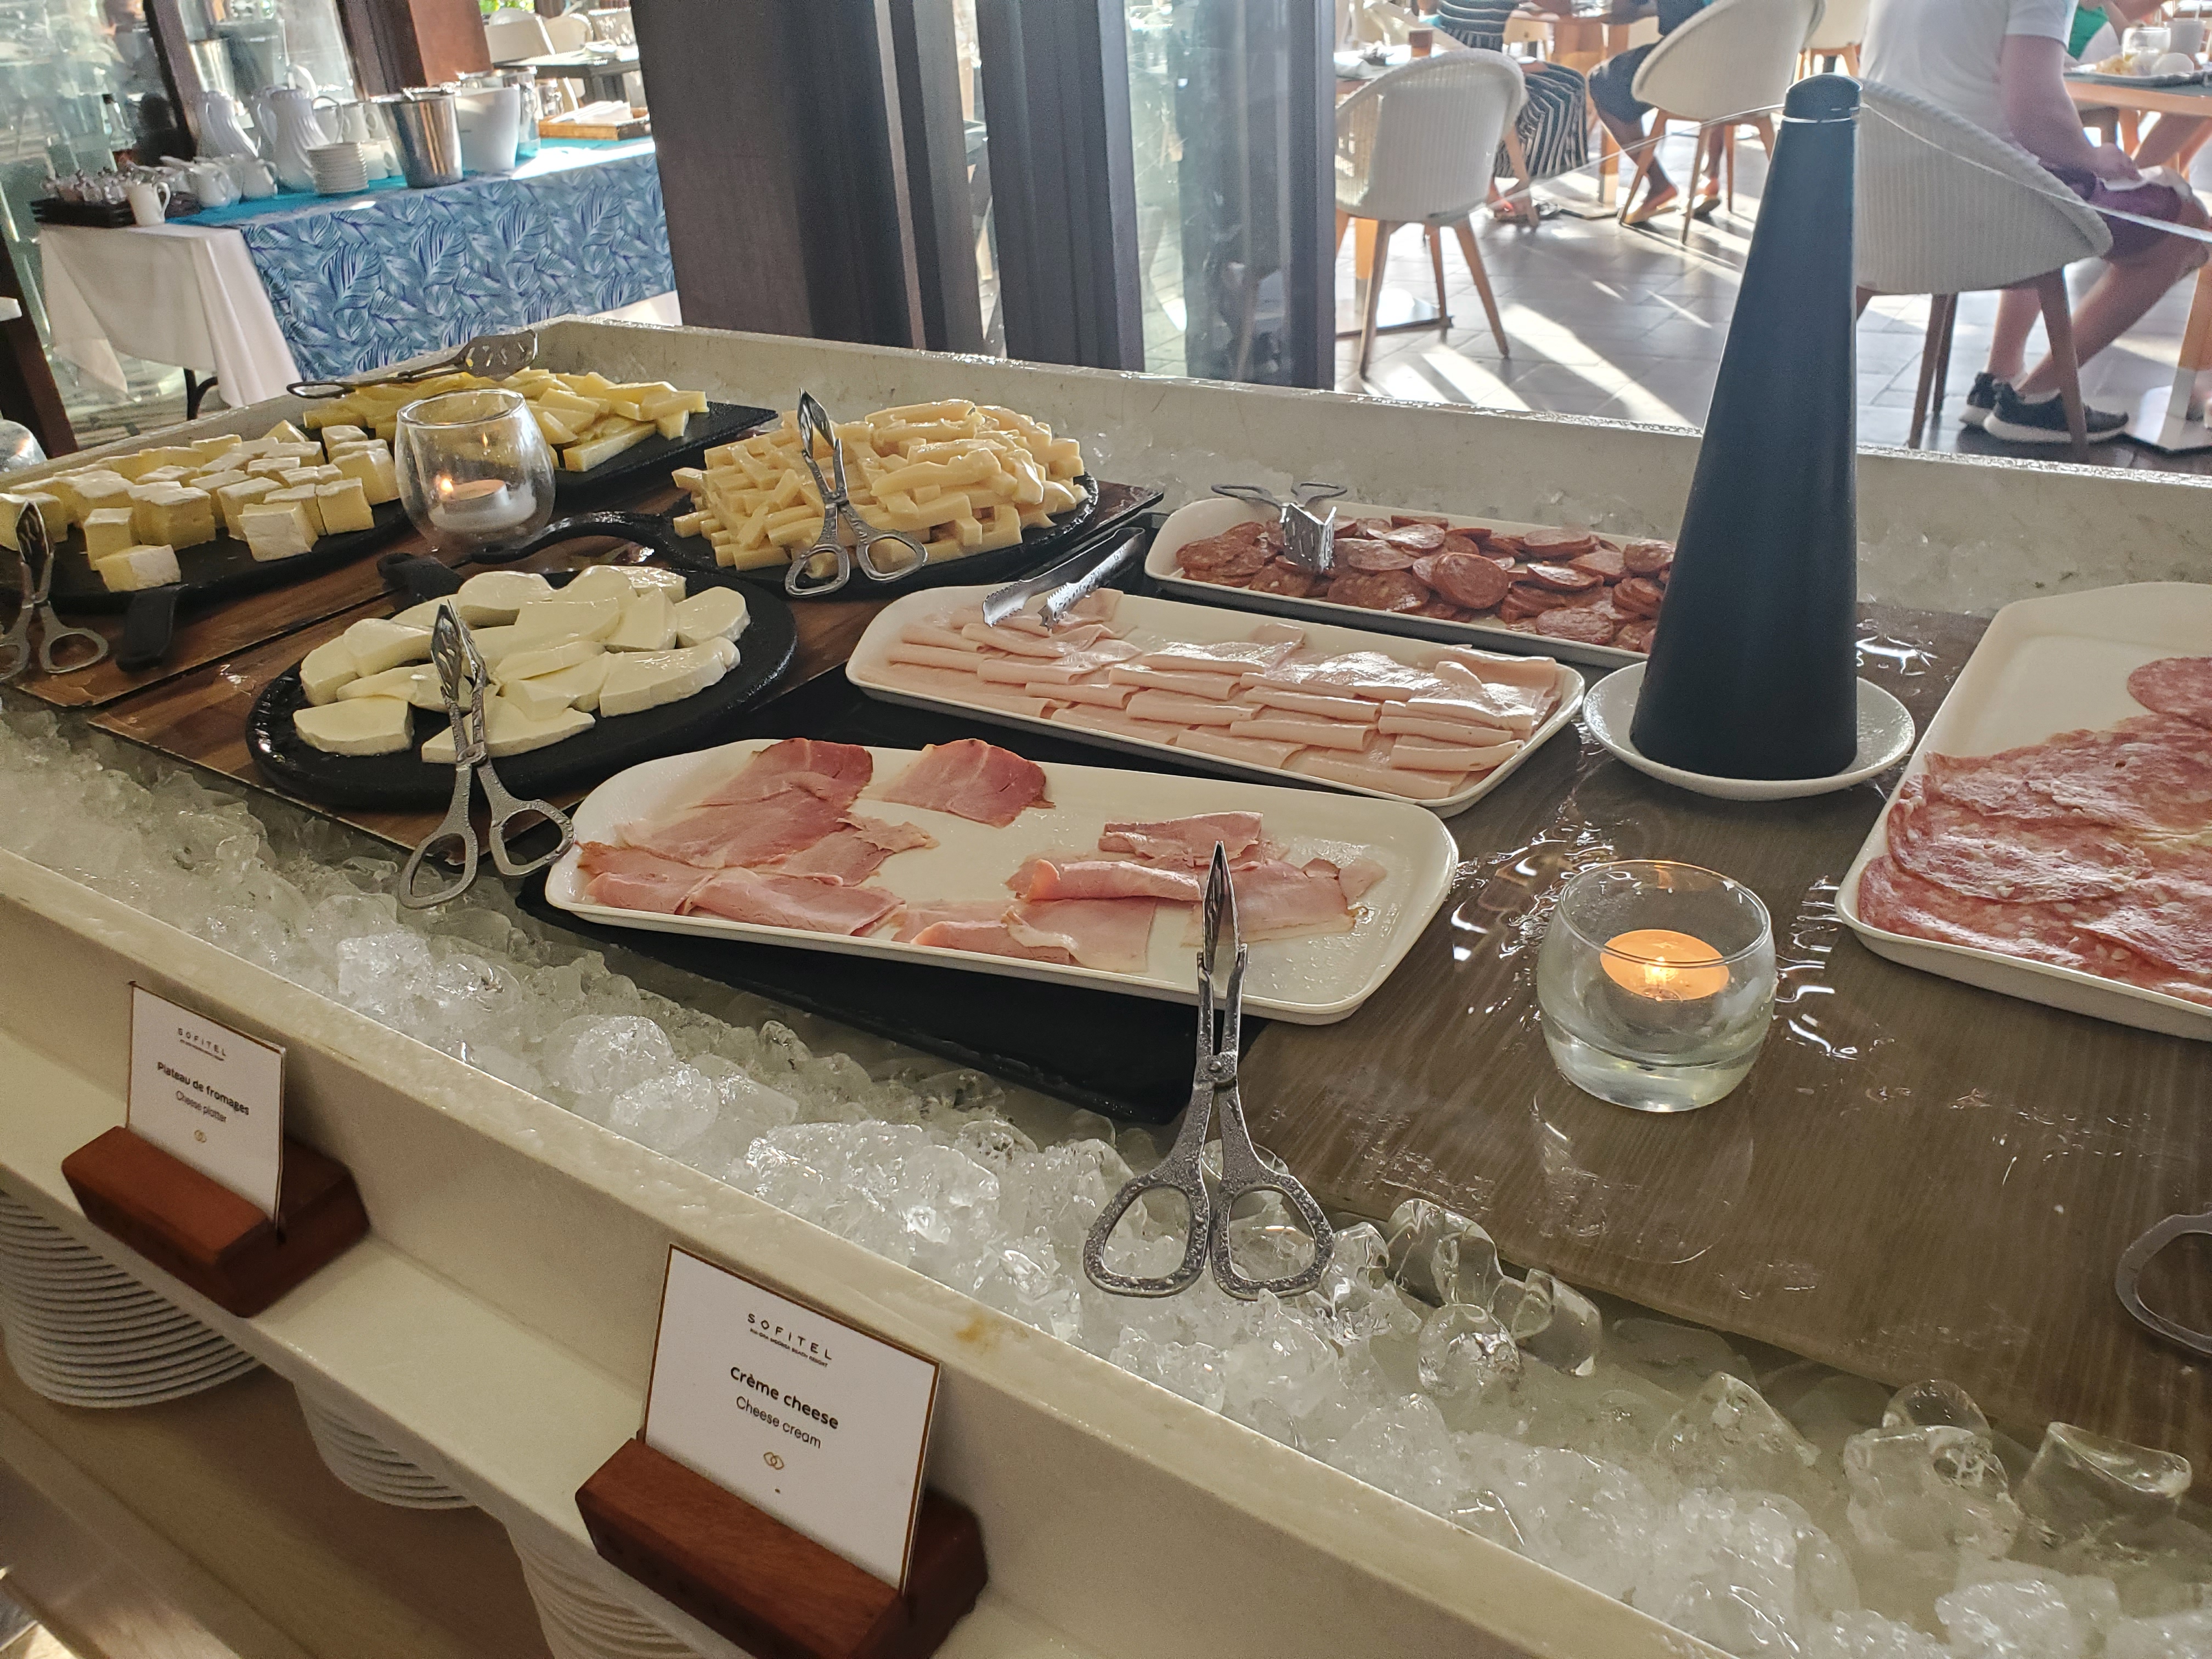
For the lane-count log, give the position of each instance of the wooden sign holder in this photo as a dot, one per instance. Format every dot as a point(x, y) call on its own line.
point(773, 1591)
point(201, 1233)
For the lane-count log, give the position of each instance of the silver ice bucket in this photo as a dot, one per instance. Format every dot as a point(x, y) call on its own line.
point(428, 133)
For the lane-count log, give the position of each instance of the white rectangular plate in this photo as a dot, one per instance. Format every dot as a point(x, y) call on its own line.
point(1210, 517)
point(1151, 624)
point(2047, 666)
point(1308, 982)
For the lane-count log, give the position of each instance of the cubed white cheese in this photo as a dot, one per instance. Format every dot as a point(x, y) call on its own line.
point(328, 668)
point(355, 726)
point(570, 619)
point(645, 625)
point(333, 436)
point(378, 644)
point(529, 658)
point(304, 495)
point(109, 530)
point(52, 512)
point(372, 465)
point(274, 529)
point(135, 568)
point(179, 518)
point(712, 613)
point(411, 683)
point(508, 731)
point(234, 499)
point(494, 596)
point(578, 684)
point(345, 507)
point(646, 679)
point(284, 433)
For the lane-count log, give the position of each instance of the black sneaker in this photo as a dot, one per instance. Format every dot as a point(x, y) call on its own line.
point(2016, 420)
point(1981, 399)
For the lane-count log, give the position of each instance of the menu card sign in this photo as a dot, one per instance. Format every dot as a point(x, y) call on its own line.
point(209, 1097)
point(805, 1417)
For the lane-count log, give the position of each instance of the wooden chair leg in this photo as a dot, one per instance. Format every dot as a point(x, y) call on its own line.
point(1609, 163)
point(1363, 249)
point(1382, 230)
point(1343, 224)
point(1851, 59)
point(1436, 240)
point(1938, 307)
point(1646, 154)
point(1943, 364)
point(1690, 190)
point(2058, 324)
point(1765, 124)
point(1467, 246)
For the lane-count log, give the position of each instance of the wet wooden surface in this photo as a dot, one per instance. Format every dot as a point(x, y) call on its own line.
point(1917, 1179)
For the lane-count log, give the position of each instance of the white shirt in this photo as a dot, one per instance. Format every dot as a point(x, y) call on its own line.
point(1946, 50)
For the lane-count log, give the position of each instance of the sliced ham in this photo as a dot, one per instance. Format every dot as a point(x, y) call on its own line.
point(764, 899)
point(1188, 842)
point(1427, 755)
point(1356, 877)
point(1058, 671)
point(926, 913)
point(1355, 709)
point(1215, 686)
point(1176, 709)
point(1401, 720)
point(1103, 696)
point(1489, 668)
point(834, 772)
point(1018, 643)
point(935, 656)
point(747, 832)
point(945, 639)
point(1093, 717)
point(852, 853)
point(1216, 741)
point(989, 939)
point(1273, 633)
point(1110, 879)
point(1276, 899)
point(1112, 935)
point(1374, 774)
point(972, 779)
point(1230, 656)
point(1284, 726)
point(630, 878)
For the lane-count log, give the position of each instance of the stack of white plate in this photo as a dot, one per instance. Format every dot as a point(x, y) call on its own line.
point(371, 1467)
point(339, 168)
point(80, 1331)
point(581, 1621)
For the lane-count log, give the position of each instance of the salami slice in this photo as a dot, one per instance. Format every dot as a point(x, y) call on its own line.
point(1645, 558)
point(2152, 772)
point(1441, 610)
point(1526, 600)
point(1636, 635)
point(1360, 553)
point(1558, 543)
point(1221, 560)
point(1639, 594)
point(1370, 529)
point(1469, 538)
point(1579, 622)
point(1379, 590)
point(2047, 862)
point(1565, 578)
point(1604, 562)
point(1277, 577)
point(1415, 537)
point(1469, 579)
point(1901, 903)
point(2180, 686)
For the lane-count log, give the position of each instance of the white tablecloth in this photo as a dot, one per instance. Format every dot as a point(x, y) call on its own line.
point(169, 293)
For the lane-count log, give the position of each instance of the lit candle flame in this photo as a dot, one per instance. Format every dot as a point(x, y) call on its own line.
point(1664, 965)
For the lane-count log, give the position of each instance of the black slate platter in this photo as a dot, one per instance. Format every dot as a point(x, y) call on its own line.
point(404, 779)
point(1037, 549)
point(659, 455)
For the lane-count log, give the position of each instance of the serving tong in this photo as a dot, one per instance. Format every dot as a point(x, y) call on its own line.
point(492, 356)
point(2127, 1279)
point(1308, 541)
point(461, 677)
point(836, 510)
point(1065, 585)
point(35, 561)
point(1245, 1168)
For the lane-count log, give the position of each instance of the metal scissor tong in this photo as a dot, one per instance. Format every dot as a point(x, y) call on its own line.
point(1309, 540)
point(491, 356)
point(1243, 1168)
point(35, 559)
point(813, 424)
point(2138, 1257)
point(1303, 496)
point(461, 676)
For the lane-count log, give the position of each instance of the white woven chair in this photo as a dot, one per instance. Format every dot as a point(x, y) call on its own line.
point(1839, 34)
point(1728, 65)
point(1416, 147)
point(1943, 208)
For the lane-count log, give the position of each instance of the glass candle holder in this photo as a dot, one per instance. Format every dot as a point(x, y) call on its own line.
point(475, 472)
point(1656, 984)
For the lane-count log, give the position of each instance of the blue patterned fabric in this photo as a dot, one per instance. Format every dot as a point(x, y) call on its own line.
point(369, 280)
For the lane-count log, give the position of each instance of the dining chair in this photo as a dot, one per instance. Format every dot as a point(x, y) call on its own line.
point(1943, 208)
point(1726, 67)
point(1416, 147)
point(1839, 35)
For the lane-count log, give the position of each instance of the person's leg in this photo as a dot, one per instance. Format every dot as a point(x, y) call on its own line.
point(2164, 144)
point(2016, 312)
point(2128, 289)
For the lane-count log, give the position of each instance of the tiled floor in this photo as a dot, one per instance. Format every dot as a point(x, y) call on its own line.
point(1630, 325)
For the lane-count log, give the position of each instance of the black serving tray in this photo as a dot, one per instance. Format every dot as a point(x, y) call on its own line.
point(765, 650)
point(718, 425)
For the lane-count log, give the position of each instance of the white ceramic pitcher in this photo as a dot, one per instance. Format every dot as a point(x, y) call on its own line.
point(290, 129)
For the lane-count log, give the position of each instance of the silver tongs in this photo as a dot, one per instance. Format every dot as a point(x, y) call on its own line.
point(1243, 1168)
point(814, 425)
point(461, 677)
point(1066, 585)
point(35, 561)
point(492, 356)
point(1308, 541)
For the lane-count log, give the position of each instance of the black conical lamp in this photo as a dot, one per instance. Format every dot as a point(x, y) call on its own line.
point(1753, 673)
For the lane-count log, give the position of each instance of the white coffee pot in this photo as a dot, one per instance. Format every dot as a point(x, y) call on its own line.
point(290, 129)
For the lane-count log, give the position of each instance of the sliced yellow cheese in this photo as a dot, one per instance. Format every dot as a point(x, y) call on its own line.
point(135, 568)
point(356, 726)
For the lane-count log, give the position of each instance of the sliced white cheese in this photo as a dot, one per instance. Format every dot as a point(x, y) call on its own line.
point(416, 684)
point(600, 581)
point(326, 668)
point(570, 619)
point(645, 625)
point(508, 731)
point(135, 568)
point(493, 643)
point(638, 680)
point(425, 614)
point(712, 613)
point(378, 644)
point(577, 684)
point(532, 659)
point(652, 579)
point(358, 725)
point(540, 699)
point(494, 596)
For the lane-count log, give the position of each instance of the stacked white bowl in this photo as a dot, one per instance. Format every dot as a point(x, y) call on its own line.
point(82, 1332)
point(581, 1621)
point(368, 1466)
point(339, 168)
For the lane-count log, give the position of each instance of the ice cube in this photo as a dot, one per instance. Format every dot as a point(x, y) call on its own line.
point(2028, 1620)
point(2082, 1485)
point(1358, 1292)
point(1935, 1405)
point(2176, 1636)
point(1934, 1488)
point(1464, 1353)
point(1727, 1436)
point(1551, 1321)
point(1869, 1636)
point(1441, 1255)
point(1678, 1357)
point(667, 1113)
point(1402, 1446)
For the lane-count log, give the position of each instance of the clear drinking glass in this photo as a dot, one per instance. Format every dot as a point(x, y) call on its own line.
point(1656, 984)
point(475, 472)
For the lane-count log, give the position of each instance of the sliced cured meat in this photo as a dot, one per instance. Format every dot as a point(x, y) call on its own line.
point(949, 658)
point(1213, 686)
point(1604, 562)
point(1646, 558)
point(927, 913)
point(1277, 576)
point(1216, 741)
point(1359, 876)
point(1462, 663)
point(1469, 579)
point(764, 899)
point(1313, 702)
point(988, 938)
point(1901, 903)
point(2180, 686)
point(1636, 635)
point(1054, 670)
point(1016, 643)
point(1526, 600)
point(1280, 632)
point(1371, 529)
point(2040, 862)
point(1222, 657)
point(1110, 879)
point(832, 772)
point(1358, 553)
point(1639, 594)
point(1421, 537)
point(1582, 624)
point(1179, 710)
point(972, 779)
point(1558, 544)
point(945, 639)
point(1379, 590)
point(2153, 772)
point(1186, 842)
point(630, 878)
point(1112, 935)
point(1222, 558)
point(747, 832)
point(1276, 899)
point(851, 855)
point(1369, 774)
point(1105, 696)
point(1443, 611)
point(1361, 673)
point(1090, 717)
point(2163, 927)
point(1281, 725)
point(1468, 539)
point(1562, 578)
point(1412, 723)
point(1414, 753)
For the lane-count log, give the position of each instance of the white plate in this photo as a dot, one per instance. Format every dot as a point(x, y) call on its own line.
point(1157, 623)
point(1216, 513)
point(2047, 666)
point(1885, 735)
point(1308, 982)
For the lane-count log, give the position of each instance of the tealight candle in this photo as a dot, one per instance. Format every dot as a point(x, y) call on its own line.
point(478, 504)
point(1664, 965)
